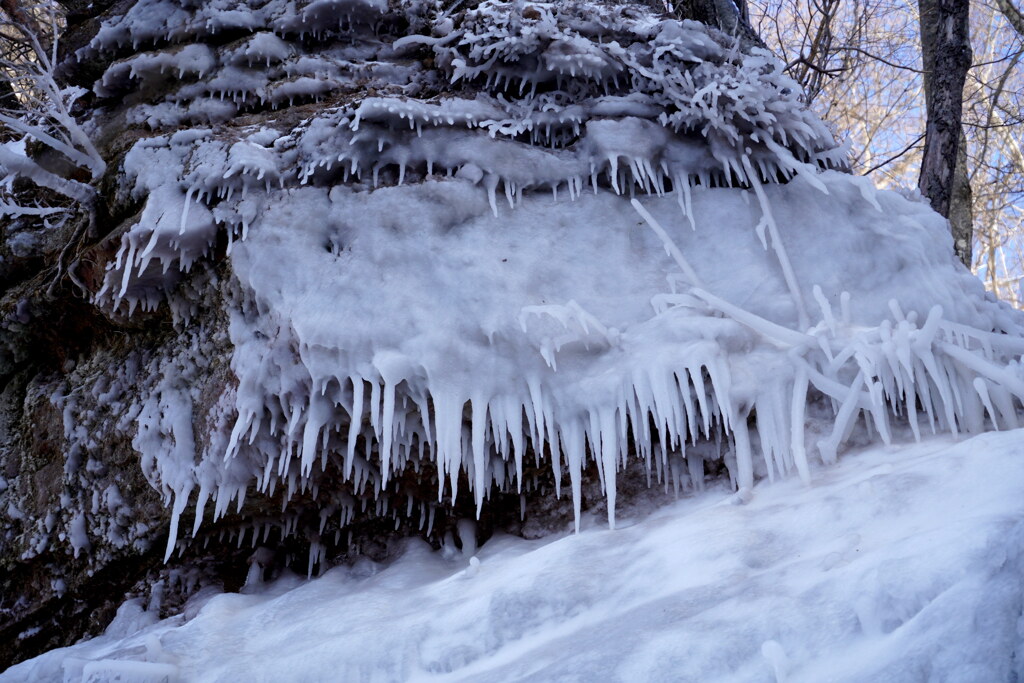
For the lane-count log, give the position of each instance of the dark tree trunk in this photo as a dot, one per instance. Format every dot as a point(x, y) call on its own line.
point(946, 56)
point(961, 209)
point(730, 16)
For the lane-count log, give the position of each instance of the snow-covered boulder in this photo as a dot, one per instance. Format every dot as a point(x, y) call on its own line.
point(406, 262)
point(671, 263)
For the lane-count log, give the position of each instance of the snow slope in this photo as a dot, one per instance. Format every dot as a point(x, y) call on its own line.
point(900, 563)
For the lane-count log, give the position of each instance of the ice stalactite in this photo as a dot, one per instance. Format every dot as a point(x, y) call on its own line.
point(394, 319)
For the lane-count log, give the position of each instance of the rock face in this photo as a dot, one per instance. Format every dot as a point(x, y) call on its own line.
point(357, 270)
point(82, 526)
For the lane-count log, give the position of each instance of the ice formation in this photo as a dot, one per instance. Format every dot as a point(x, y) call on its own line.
point(561, 233)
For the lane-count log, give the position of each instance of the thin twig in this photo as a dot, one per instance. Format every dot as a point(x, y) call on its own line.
point(897, 156)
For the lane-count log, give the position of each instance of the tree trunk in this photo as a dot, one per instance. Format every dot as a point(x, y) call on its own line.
point(8, 100)
point(728, 15)
point(946, 56)
point(961, 210)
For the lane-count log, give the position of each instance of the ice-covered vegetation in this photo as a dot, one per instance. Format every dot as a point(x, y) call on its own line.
point(519, 236)
point(41, 114)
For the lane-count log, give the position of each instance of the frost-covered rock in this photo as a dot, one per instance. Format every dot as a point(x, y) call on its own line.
point(390, 313)
point(407, 263)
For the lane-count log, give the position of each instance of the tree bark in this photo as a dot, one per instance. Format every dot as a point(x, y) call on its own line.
point(946, 56)
point(730, 16)
point(8, 100)
point(961, 208)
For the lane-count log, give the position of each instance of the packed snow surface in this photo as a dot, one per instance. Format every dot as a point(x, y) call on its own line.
point(900, 563)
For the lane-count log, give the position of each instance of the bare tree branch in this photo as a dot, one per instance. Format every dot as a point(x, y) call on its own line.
point(1012, 15)
point(893, 158)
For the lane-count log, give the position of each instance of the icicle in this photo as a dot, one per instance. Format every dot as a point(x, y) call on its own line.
point(796, 426)
point(685, 199)
point(847, 412)
point(317, 414)
point(355, 423)
point(572, 442)
point(387, 429)
point(670, 247)
point(448, 425)
point(129, 264)
point(982, 388)
point(744, 456)
point(780, 251)
point(478, 427)
point(606, 435)
point(180, 502)
point(942, 383)
point(695, 468)
point(204, 495)
point(509, 194)
point(491, 184)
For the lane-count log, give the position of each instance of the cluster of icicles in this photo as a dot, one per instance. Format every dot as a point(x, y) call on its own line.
point(367, 430)
point(542, 64)
point(178, 228)
point(702, 108)
point(187, 78)
point(156, 22)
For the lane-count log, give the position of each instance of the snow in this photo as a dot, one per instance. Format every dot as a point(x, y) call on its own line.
point(192, 59)
point(899, 563)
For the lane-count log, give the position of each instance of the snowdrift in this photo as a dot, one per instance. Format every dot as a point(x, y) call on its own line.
point(900, 564)
point(554, 233)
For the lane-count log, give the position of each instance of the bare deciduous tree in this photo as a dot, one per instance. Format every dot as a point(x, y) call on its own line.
point(861, 65)
point(946, 57)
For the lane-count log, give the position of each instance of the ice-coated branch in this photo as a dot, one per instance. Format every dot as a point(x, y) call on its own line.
point(48, 101)
point(23, 166)
point(670, 247)
point(13, 210)
point(777, 245)
point(96, 165)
